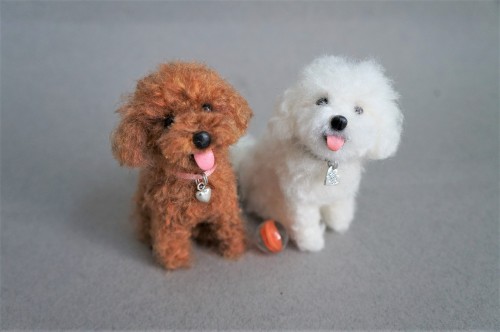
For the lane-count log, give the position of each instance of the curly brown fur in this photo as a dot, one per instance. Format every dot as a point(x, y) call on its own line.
point(168, 214)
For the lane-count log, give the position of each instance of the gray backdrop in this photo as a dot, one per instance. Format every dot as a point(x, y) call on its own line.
point(422, 253)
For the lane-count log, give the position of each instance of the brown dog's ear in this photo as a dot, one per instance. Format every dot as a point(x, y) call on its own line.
point(244, 115)
point(129, 139)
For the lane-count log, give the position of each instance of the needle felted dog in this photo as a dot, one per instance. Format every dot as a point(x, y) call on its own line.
point(177, 127)
point(306, 169)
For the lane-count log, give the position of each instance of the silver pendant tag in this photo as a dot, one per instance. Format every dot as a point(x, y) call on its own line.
point(332, 178)
point(204, 195)
point(204, 192)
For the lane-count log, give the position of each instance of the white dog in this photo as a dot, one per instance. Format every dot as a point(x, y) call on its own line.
point(305, 170)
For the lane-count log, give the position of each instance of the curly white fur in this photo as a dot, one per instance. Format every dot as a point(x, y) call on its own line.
point(282, 175)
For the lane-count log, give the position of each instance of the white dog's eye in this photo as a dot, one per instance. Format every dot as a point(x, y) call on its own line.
point(358, 110)
point(322, 101)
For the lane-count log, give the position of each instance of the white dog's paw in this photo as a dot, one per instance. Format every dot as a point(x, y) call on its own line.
point(339, 223)
point(339, 216)
point(340, 226)
point(310, 239)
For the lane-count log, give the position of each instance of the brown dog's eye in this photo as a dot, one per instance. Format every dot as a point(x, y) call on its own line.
point(168, 120)
point(358, 110)
point(207, 107)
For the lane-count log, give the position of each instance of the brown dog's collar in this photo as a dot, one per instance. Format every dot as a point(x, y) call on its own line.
point(193, 176)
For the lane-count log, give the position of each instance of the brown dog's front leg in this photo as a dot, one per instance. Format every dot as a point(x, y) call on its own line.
point(229, 230)
point(171, 243)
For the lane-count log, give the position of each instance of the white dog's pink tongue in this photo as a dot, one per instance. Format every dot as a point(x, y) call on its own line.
point(205, 160)
point(334, 143)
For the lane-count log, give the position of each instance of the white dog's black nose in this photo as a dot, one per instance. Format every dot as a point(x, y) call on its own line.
point(339, 122)
point(202, 139)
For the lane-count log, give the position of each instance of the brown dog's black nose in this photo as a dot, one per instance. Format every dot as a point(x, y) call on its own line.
point(202, 139)
point(339, 122)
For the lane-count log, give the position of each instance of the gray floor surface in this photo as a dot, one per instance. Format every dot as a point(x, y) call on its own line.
point(422, 253)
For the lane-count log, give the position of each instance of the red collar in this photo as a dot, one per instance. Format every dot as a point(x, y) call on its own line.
point(193, 176)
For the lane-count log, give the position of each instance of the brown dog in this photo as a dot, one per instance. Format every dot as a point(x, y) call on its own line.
point(177, 128)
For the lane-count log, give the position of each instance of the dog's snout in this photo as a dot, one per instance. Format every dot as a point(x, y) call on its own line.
point(339, 122)
point(202, 139)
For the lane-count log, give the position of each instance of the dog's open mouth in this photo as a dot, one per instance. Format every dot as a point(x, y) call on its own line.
point(205, 160)
point(334, 142)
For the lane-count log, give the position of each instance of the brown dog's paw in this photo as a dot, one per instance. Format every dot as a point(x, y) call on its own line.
point(233, 250)
point(173, 261)
point(177, 265)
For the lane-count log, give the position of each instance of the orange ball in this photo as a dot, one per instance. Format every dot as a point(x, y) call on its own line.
point(271, 236)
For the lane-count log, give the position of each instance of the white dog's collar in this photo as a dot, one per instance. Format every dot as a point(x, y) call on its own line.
point(332, 177)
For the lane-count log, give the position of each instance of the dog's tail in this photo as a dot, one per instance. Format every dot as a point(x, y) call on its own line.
point(240, 150)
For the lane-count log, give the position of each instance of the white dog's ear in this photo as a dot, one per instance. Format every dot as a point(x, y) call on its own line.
point(389, 125)
point(280, 125)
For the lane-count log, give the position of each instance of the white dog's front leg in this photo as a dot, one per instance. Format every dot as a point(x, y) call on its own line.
point(306, 228)
point(339, 215)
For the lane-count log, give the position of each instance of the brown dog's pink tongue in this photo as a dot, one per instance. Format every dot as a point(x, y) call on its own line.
point(334, 143)
point(205, 160)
